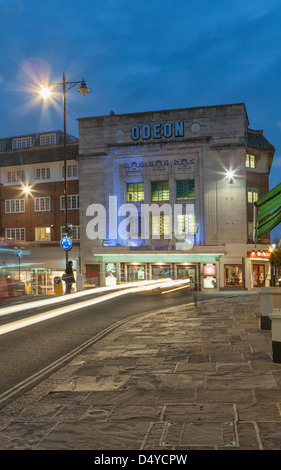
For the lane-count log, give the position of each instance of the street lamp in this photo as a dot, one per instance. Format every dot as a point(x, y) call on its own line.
point(45, 93)
point(230, 175)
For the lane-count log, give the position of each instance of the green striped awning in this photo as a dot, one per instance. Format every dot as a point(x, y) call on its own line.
point(267, 212)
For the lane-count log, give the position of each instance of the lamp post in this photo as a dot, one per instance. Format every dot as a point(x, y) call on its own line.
point(45, 92)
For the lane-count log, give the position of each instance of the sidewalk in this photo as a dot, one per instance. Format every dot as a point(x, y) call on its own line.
point(195, 377)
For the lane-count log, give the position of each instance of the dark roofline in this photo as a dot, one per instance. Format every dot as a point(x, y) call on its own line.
point(35, 134)
point(256, 140)
point(36, 155)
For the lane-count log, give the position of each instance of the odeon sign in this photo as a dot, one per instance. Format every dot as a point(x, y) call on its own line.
point(158, 130)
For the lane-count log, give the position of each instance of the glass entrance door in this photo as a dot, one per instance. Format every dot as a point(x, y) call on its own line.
point(258, 275)
point(135, 273)
point(184, 272)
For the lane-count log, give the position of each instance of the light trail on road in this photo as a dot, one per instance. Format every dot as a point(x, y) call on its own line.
point(12, 326)
point(64, 298)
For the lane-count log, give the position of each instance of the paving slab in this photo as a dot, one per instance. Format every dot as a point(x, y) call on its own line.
point(192, 377)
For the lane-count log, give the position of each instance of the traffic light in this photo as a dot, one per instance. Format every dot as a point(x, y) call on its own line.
point(67, 231)
point(70, 230)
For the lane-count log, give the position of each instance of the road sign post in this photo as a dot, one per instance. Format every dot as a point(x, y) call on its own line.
point(66, 243)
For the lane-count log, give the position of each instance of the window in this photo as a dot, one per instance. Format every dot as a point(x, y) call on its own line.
point(48, 139)
point(72, 171)
point(21, 143)
point(14, 205)
point(15, 233)
point(186, 224)
point(185, 189)
point(250, 230)
point(42, 204)
point(72, 202)
point(42, 233)
point(134, 226)
point(42, 174)
point(250, 161)
point(15, 176)
point(135, 192)
point(75, 232)
point(161, 225)
point(161, 271)
point(252, 195)
point(160, 191)
point(233, 275)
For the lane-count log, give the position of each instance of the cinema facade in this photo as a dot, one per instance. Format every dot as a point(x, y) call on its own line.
point(170, 194)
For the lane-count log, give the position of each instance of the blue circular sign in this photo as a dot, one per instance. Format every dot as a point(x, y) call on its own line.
point(66, 243)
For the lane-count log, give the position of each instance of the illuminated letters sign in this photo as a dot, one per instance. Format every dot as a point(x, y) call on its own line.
point(158, 130)
point(258, 254)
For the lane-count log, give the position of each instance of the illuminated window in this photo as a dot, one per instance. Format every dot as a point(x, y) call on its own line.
point(42, 233)
point(186, 224)
point(185, 189)
point(135, 192)
point(250, 161)
point(250, 229)
point(161, 225)
point(15, 233)
point(233, 275)
point(252, 195)
point(160, 191)
point(14, 205)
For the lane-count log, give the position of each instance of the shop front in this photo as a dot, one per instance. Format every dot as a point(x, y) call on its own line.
point(259, 268)
point(233, 275)
point(131, 266)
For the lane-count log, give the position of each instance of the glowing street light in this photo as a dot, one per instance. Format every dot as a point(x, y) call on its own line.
point(230, 175)
point(26, 189)
point(46, 92)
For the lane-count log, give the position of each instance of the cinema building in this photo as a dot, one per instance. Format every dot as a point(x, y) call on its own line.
point(203, 168)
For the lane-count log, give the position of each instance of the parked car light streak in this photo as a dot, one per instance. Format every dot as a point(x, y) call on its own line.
point(60, 311)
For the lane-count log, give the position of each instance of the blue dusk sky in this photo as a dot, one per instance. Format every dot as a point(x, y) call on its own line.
point(141, 55)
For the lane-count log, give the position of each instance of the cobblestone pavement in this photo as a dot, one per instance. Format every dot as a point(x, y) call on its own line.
point(192, 377)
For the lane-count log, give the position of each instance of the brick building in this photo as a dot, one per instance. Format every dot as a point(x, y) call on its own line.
point(32, 204)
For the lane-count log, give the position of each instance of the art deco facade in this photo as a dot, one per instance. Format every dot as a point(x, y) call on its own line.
point(208, 160)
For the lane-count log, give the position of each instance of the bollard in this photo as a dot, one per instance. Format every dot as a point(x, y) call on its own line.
point(79, 282)
point(275, 318)
point(270, 299)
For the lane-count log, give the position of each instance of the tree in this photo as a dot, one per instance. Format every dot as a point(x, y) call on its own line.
point(275, 258)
